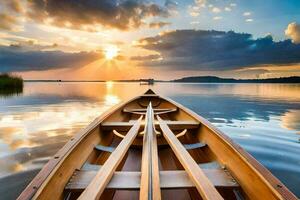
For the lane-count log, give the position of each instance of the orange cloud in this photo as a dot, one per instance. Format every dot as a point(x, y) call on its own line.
point(293, 31)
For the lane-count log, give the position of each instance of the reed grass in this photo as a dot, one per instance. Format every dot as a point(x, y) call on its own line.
point(10, 84)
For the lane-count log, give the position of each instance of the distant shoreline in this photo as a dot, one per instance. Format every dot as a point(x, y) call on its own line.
point(194, 79)
point(214, 79)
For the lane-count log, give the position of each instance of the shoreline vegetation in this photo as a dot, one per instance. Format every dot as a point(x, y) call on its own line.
point(10, 84)
point(195, 79)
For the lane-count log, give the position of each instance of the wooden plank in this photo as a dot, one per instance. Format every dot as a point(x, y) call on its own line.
point(145, 110)
point(196, 174)
point(103, 176)
point(150, 185)
point(130, 180)
point(125, 126)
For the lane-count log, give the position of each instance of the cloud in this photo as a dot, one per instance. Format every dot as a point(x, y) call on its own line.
point(293, 31)
point(86, 14)
point(247, 14)
point(200, 3)
point(217, 50)
point(249, 20)
point(158, 24)
point(14, 5)
point(32, 57)
point(194, 22)
point(7, 22)
point(152, 57)
point(217, 18)
point(228, 9)
point(216, 10)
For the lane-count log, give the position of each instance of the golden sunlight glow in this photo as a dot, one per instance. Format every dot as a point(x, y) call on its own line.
point(111, 52)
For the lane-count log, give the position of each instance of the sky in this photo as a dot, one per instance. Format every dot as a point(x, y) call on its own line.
point(161, 39)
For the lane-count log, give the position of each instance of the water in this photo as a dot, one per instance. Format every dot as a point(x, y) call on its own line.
point(262, 118)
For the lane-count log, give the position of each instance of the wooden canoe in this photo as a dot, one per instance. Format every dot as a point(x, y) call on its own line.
point(153, 148)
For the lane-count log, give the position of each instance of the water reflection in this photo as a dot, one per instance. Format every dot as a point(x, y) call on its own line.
point(291, 120)
point(10, 92)
point(263, 118)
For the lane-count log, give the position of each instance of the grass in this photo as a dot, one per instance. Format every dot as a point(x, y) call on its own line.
point(10, 84)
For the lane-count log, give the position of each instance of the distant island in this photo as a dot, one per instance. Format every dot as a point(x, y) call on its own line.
point(214, 79)
point(10, 84)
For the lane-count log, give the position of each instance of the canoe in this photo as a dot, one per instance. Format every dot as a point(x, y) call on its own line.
point(151, 147)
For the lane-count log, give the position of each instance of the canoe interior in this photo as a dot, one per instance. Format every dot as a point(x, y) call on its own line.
point(233, 172)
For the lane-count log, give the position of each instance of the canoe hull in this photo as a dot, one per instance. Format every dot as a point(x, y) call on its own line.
point(254, 180)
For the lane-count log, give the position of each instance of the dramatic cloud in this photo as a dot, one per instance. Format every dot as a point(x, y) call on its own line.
point(7, 22)
point(293, 31)
point(24, 58)
point(217, 50)
point(13, 5)
point(85, 14)
point(158, 24)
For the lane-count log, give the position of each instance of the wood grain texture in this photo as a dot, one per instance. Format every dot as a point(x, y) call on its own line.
point(98, 184)
point(169, 179)
point(150, 185)
point(233, 156)
point(196, 174)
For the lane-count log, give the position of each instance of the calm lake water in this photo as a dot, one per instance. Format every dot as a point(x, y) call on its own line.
point(262, 118)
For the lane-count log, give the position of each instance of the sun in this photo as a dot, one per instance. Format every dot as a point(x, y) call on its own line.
point(111, 52)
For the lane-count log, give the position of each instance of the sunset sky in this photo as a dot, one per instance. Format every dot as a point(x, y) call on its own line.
point(162, 39)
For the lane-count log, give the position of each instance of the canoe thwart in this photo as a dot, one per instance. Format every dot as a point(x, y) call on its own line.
point(104, 148)
point(130, 180)
point(125, 126)
point(156, 111)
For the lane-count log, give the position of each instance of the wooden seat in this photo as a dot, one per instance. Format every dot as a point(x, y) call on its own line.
point(104, 148)
point(174, 125)
point(127, 180)
point(145, 110)
point(157, 111)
